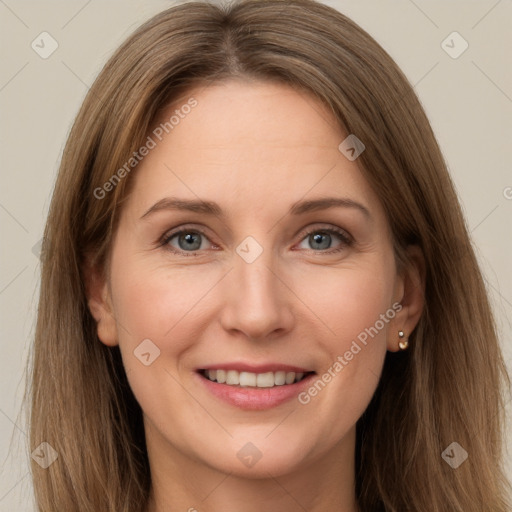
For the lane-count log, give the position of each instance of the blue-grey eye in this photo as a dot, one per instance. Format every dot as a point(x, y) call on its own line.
point(320, 240)
point(188, 240)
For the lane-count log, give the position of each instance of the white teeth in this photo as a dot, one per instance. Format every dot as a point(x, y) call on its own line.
point(233, 377)
point(265, 380)
point(249, 379)
point(279, 378)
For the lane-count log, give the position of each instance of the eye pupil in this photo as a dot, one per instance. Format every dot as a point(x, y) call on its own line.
point(318, 237)
point(192, 241)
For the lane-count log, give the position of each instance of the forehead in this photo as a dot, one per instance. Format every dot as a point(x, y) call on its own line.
point(248, 145)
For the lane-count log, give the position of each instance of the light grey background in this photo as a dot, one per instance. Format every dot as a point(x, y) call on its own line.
point(468, 100)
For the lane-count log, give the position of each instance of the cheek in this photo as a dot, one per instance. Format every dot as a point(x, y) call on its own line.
point(155, 302)
point(346, 301)
point(166, 306)
point(355, 305)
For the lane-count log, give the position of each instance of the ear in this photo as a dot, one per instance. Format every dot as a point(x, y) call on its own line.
point(410, 294)
point(100, 303)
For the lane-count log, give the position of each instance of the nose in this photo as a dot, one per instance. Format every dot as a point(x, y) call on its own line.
point(258, 300)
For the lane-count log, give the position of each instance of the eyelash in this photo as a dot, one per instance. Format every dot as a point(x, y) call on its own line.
point(346, 240)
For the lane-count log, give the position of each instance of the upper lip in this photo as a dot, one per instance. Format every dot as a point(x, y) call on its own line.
point(256, 368)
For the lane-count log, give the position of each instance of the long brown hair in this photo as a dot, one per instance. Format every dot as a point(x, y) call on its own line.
point(448, 387)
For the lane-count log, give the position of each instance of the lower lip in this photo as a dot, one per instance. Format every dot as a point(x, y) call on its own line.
point(255, 399)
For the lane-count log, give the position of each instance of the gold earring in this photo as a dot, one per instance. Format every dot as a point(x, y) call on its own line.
point(403, 343)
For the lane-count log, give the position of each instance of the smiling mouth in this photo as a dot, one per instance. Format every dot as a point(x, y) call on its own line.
point(256, 380)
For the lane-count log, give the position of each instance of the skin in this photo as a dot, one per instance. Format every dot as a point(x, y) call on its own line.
point(255, 148)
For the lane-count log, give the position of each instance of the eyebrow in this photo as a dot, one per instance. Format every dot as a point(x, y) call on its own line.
point(212, 208)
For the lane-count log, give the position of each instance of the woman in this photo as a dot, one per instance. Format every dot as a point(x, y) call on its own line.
point(258, 290)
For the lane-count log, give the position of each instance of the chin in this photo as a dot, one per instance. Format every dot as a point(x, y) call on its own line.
point(259, 458)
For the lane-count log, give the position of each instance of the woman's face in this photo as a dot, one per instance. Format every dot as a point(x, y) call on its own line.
point(251, 246)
